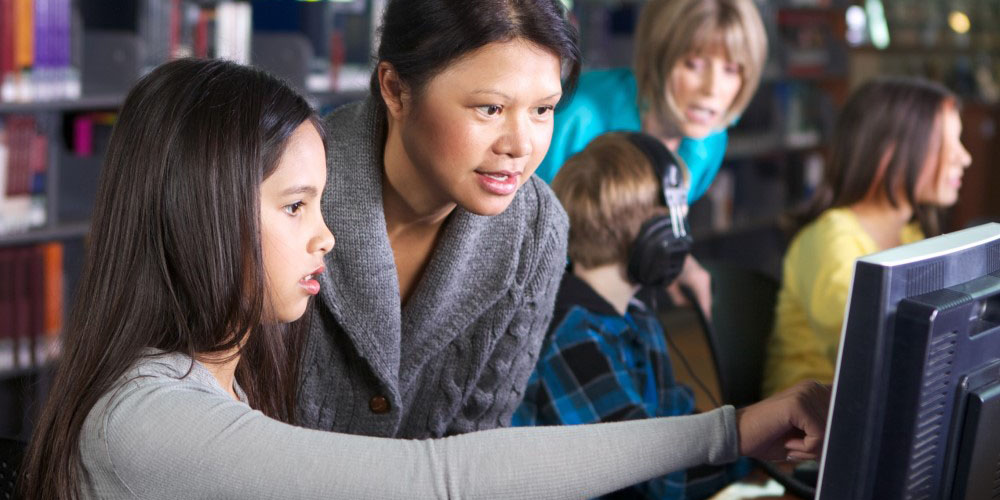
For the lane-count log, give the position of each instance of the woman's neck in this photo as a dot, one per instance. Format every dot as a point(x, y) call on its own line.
point(222, 365)
point(410, 201)
point(610, 282)
point(882, 221)
point(659, 128)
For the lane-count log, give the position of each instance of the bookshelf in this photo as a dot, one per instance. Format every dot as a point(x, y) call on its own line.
point(110, 42)
point(62, 105)
point(74, 230)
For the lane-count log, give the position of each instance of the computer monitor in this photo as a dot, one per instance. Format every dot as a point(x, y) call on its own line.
point(916, 400)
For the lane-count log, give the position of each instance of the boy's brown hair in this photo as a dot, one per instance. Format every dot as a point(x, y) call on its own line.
point(608, 190)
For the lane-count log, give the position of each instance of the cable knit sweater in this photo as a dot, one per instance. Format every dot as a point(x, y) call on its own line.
point(458, 356)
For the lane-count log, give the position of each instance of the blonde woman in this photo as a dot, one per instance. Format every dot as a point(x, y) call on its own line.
point(697, 63)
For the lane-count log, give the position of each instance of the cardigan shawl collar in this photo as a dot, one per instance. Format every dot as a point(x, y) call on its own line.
point(361, 287)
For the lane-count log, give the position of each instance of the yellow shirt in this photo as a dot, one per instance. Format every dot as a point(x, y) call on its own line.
point(817, 274)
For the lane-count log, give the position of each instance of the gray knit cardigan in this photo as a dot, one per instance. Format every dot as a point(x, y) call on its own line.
point(458, 356)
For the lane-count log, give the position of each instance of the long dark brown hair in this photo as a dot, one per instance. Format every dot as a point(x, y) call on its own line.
point(174, 260)
point(886, 132)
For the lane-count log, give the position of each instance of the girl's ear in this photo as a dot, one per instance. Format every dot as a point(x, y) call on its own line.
point(393, 90)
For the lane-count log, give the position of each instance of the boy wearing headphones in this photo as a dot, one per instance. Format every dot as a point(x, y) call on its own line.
point(605, 356)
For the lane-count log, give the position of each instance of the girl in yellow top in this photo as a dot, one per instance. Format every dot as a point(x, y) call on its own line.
point(896, 159)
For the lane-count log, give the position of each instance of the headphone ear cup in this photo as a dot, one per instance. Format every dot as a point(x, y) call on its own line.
point(657, 256)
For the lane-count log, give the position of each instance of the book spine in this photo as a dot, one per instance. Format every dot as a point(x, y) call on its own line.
point(59, 49)
point(201, 33)
point(24, 48)
point(40, 68)
point(25, 133)
point(223, 30)
point(7, 324)
point(22, 307)
point(175, 28)
point(7, 50)
point(39, 162)
point(15, 149)
point(83, 135)
point(35, 288)
point(54, 289)
point(4, 173)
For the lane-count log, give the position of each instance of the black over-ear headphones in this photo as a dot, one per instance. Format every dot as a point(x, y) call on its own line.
point(658, 252)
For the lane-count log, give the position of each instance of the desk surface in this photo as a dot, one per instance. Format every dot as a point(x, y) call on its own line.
point(753, 487)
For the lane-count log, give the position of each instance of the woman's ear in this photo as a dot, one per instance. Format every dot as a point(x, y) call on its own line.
point(393, 90)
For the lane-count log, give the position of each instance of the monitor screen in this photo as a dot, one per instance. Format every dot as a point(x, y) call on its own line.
point(916, 399)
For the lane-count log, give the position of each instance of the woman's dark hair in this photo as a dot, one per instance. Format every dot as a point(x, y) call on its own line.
point(882, 140)
point(421, 37)
point(174, 260)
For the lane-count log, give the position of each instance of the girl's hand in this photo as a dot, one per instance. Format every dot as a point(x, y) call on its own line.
point(787, 426)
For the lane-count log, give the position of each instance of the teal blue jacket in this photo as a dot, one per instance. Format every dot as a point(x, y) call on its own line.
point(605, 100)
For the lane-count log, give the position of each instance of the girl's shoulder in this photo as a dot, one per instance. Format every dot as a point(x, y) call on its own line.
point(835, 231)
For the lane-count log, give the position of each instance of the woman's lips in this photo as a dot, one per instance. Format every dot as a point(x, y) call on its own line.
point(501, 183)
point(700, 115)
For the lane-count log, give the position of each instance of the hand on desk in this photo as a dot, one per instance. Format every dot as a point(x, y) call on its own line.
point(789, 425)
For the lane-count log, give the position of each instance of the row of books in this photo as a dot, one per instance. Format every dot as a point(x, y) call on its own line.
point(23, 165)
point(31, 304)
point(183, 28)
point(36, 61)
point(91, 133)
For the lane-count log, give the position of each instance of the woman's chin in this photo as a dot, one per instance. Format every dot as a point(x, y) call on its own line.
point(487, 204)
point(697, 131)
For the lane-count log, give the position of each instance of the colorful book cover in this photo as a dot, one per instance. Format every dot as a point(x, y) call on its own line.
point(6, 50)
point(52, 256)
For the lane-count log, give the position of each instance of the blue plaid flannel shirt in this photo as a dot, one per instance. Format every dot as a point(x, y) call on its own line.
point(599, 366)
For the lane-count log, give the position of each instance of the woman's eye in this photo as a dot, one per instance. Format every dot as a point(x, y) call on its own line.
point(735, 69)
point(293, 208)
point(491, 110)
point(693, 62)
point(542, 110)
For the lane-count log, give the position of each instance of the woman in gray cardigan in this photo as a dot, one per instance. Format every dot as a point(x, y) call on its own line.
point(449, 250)
point(207, 237)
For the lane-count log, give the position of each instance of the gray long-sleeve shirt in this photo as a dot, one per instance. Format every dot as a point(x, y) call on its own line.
point(165, 432)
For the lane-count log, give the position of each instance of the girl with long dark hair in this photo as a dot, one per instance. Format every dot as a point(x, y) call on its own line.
point(896, 160)
point(175, 379)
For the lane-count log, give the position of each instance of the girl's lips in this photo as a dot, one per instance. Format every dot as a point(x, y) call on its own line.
point(310, 282)
point(499, 183)
point(311, 286)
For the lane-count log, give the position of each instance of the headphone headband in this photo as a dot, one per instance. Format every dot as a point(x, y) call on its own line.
point(668, 167)
point(659, 250)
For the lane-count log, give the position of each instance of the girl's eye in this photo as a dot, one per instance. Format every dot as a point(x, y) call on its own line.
point(293, 209)
point(491, 110)
point(735, 69)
